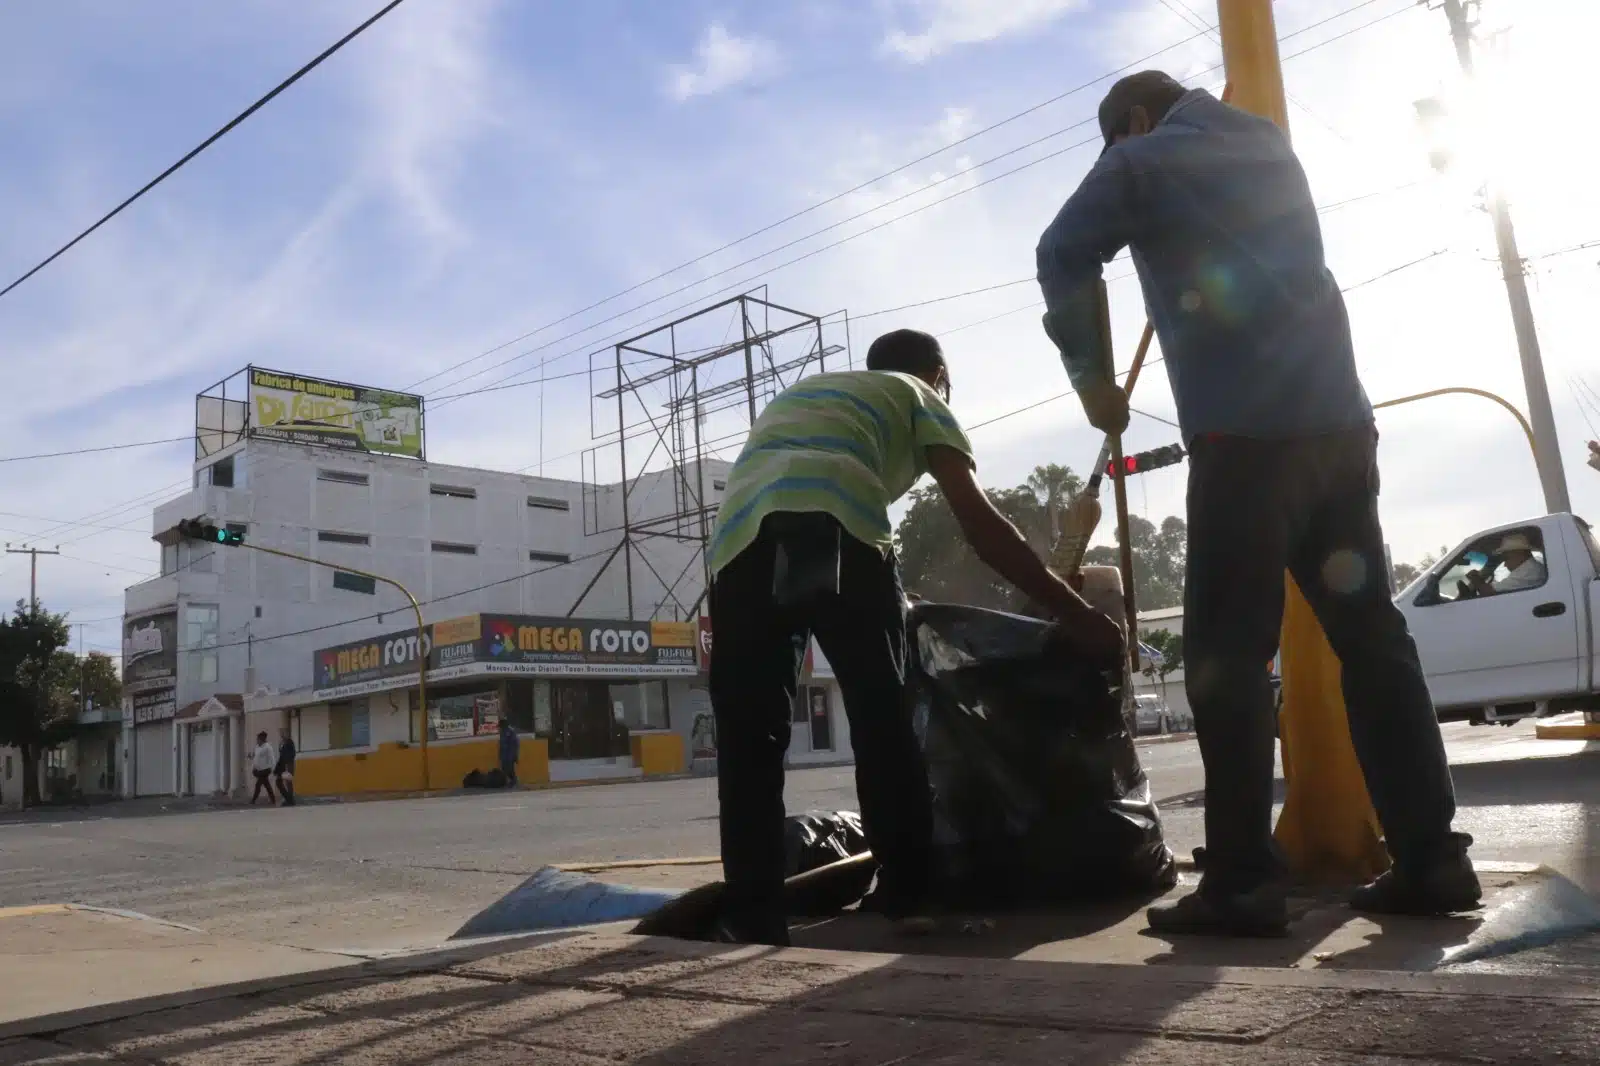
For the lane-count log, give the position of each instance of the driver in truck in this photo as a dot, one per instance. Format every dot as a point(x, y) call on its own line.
point(1522, 568)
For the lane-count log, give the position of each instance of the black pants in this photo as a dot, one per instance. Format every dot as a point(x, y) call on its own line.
point(509, 768)
point(755, 666)
point(1308, 506)
point(263, 781)
point(285, 785)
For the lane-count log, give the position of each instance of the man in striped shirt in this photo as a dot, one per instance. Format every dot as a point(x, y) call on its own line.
point(804, 546)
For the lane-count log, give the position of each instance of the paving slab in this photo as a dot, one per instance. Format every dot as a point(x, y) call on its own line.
point(63, 957)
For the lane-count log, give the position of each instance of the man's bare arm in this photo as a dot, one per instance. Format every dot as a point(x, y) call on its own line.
point(998, 544)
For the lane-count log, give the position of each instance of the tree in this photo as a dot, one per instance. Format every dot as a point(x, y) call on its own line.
point(1170, 645)
point(1405, 574)
point(34, 716)
point(936, 562)
point(96, 672)
point(1159, 560)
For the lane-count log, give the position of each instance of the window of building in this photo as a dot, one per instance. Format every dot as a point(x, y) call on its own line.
point(342, 477)
point(350, 724)
point(719, 485)
point(169, 558)
point(200, 631)
point(549, 503)
point(196, 556)
point(454, 549)
point(455, 492)
point(222, 473)
point(549, 557)
point(239, 528)
point(464, 714)
point(640, 704)
point(328, 536)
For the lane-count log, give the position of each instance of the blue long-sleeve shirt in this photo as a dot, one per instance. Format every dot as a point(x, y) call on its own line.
point(1224, 235)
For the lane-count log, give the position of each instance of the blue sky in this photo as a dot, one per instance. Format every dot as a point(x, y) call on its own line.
point(472, 170)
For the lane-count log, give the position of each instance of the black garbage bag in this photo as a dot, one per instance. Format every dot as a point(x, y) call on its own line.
point(473, 779)
point(816, 839)
point(1038, 794)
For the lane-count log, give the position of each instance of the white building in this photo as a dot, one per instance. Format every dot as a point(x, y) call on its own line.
point(1171, 688)
point(221, 645)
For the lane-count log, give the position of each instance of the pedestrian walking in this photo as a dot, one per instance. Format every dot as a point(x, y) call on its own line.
point(283, 769)
point(262, 762)
point(1283, 475)
point(510, 752)
point(803, 545)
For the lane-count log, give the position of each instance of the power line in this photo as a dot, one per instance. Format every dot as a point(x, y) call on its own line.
point(207, 143)
point(874, 228)
point(137, 501)
point(866, 184)
point(101, 448)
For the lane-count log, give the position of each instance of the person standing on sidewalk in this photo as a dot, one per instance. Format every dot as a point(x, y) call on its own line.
point(1283, 474)
point(283, 770)
point(262, 762)
point(510, 752)
point(803, 545)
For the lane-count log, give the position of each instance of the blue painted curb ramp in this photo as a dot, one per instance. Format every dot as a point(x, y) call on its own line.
point(1542, 910)
point(555, 899)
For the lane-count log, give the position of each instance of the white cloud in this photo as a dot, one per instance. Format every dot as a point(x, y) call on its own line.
point(946, 24)
point(722, 60)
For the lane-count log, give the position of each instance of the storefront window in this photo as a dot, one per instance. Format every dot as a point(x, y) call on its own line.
point(200, 626)
point(350, 724)
point(464, 714)
point(640, 704)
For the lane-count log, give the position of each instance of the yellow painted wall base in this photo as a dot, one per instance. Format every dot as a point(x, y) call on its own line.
point(397, 767)
point(657, 753)
point(1567, 727)
point(1328, 830)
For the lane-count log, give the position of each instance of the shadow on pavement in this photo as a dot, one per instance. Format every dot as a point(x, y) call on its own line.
point(652, 1003)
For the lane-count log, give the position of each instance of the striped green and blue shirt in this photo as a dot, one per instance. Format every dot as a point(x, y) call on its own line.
point(848, 444)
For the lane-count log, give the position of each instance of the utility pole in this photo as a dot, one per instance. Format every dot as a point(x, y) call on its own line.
point(1552, 475)
point(33, 577)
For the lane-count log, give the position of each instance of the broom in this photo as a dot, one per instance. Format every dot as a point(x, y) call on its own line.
point(1082, 515)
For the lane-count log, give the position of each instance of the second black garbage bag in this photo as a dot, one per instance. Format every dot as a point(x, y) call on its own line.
point(1038, 794)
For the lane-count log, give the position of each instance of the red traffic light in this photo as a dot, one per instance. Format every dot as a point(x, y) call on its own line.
point(1144, 462)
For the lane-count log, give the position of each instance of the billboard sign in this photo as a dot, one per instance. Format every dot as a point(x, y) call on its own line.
point(150, 652)
point(302, 410)
point(518, 645)
point(577, 647)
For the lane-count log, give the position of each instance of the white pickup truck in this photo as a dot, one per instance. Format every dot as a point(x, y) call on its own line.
point(1506, 623)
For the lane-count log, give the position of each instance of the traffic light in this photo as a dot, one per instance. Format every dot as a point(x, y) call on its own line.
point(1144, 462)
point(210, 532)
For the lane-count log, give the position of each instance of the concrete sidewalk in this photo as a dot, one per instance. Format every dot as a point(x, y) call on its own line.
point(593, 998)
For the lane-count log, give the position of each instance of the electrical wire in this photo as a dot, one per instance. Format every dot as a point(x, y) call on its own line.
point(207, 143)
point(139, 501)
point(835, 198)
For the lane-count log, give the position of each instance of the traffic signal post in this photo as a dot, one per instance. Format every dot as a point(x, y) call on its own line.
point(1328, 830)
point(200, 529)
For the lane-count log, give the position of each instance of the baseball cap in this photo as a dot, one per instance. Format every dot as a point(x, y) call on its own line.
point(1155, 90)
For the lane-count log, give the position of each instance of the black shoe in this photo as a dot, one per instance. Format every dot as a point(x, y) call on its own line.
point(1261, 913)
point(1444, 888)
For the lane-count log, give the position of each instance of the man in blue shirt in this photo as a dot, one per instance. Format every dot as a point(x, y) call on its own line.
point(1283, 475)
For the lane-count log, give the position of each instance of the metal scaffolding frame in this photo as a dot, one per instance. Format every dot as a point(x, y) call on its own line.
point(689, 385)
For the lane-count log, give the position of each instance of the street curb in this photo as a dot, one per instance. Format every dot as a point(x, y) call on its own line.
point(1163, 738)
point(634, 864)
point(431, 959)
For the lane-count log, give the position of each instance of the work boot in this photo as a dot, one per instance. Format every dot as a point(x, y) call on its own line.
point(1444, 887)
point(772, 931)
point(1263, 912)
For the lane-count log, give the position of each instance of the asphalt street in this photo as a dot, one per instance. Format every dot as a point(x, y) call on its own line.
point(407, 872)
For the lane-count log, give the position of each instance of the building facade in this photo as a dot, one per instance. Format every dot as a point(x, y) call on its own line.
point(531, 616)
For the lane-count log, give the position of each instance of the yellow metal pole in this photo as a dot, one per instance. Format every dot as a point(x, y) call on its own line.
point(1328, 830)
point(422, 636)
